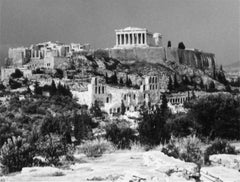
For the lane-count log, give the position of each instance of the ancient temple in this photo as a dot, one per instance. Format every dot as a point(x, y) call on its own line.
point(140, 37)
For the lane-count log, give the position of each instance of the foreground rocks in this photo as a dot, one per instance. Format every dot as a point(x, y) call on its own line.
point(121, 166)
point(128, 166)
point(226, 160)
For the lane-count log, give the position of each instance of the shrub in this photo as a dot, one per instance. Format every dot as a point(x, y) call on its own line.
point(171, 149)
point(51, 149)
point(15, 154)
point(187, 149)
point(218, 147)
point(17, 74)
point(95, 148)
point(120, 135)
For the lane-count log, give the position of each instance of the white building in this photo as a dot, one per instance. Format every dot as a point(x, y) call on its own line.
point(137, 37)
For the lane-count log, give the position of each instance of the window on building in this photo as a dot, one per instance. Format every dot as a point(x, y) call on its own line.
point(144, 96)
point(107, 100)
point(144, 87)
point(118, 110)
point(155, 79)
point(150, 80)
point(110, 111)
point(103, 89)
point(95, 81)
point(95, 90)
point(99, 90)
point(134, 96)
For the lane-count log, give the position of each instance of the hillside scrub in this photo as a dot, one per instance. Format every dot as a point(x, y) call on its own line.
point(45, 127)
point(216, 116)
point(186, 148)
point(121, 135)
point(95, 148)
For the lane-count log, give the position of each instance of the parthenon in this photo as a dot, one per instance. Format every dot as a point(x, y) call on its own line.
point(132, 36)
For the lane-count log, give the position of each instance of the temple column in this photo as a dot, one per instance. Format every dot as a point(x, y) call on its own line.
point(137, 38)
point(146, 38)
point(124, 39)
point(116, 39)
point(140, 38)
point(120, 39)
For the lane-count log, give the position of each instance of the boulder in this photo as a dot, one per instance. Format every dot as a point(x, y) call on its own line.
point(42, 171)
point(227, 160)
point(170, 165)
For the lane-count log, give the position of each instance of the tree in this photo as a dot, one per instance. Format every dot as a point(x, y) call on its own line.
point(114, 79)
point(95, 109)
point(128, 82)
point(151, 128)
point(123, 108)
point(37, 88)
point(228, 88)
point(121, 81)
point(170, 86)
point(201, 84)
point(53, 89)
point(14, 84)
point(106, 78)
point(216, 115)
point(211, 87)
point(176, 84)
point(59, 73)
point(17, 74)
point(164, 106)
point(181, 45)
point(83, 125)
point(169, 44)
point(193, 95)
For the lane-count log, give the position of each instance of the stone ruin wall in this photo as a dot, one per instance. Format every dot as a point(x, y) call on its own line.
point(195, 59)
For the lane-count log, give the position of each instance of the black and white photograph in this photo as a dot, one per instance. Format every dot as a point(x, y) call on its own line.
point(120, 91)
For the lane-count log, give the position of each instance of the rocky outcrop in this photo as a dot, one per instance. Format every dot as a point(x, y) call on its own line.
point(152, 166)
point(192, 58)
point(226, 160)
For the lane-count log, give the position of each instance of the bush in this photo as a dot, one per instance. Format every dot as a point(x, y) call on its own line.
point(120, 135)
point(95, 148)
point(218, 147)
point(15, 154)
point(187, 149)
point(17, 74)
point(51, 149)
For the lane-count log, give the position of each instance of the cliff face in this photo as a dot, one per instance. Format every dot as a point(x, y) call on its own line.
point(192, 58)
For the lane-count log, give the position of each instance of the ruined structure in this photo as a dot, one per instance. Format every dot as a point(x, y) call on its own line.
point(42, 54)
point(140, 45)
point(137, 37)
point(111, 98)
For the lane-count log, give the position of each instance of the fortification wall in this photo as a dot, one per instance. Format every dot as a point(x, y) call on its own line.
point(193, 58)
point(150, 54)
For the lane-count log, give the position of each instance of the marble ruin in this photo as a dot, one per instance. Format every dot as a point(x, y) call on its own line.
point(140, 37)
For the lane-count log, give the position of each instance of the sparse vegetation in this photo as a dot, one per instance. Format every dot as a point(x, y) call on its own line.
point(218, 147)
point(187, 149)
point(95, 148)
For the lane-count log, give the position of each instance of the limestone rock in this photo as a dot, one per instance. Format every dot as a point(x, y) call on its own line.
point(42, 171)
point(227, 160)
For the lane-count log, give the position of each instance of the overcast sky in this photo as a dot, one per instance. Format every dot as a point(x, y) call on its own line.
point(210, 25)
